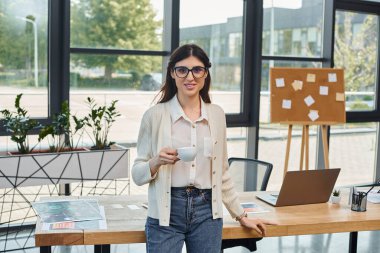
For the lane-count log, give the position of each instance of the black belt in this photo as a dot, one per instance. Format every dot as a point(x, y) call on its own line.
point(190, 188)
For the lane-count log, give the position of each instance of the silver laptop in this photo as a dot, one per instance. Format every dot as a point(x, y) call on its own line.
point(303, 187)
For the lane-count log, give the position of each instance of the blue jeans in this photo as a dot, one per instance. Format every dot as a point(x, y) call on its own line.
point(190, 222)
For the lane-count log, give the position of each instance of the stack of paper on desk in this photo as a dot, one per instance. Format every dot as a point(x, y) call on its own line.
point(67, 210)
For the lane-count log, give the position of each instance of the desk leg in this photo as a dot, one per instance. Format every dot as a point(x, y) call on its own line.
point(353, 246)
point(45, 249)
point(104, 248)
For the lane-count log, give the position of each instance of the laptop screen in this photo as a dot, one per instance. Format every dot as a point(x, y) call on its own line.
point(307, 187)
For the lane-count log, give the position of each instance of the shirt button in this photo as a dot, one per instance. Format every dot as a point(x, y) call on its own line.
point(214, 157)
point(216, 142)
point(192, 165)
point(216, 213)
point(193, 126)
point(213, 186)
point(193, 145)
point(214, 200)
point(213, 172)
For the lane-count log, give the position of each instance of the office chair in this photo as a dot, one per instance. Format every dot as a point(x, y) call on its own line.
point(255, 177)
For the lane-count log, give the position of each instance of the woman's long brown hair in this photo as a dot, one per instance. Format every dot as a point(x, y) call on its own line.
point(169, 89)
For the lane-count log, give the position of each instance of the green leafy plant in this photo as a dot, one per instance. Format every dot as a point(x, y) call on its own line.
point(61, 130)
point(336, 193)
point(100, 120)
point(19, 124)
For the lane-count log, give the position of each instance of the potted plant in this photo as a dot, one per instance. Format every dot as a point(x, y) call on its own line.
point(20, 125)
point(335, 198)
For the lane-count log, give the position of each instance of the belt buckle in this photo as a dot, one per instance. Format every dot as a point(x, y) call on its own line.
point(189, 188)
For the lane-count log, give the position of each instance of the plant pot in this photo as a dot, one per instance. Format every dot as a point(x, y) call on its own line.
point(63, 168)
point(335, 199)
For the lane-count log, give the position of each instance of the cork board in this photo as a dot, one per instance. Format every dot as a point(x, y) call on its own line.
point(308, 96)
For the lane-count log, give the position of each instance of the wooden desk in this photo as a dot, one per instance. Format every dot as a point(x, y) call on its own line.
point(127, 226)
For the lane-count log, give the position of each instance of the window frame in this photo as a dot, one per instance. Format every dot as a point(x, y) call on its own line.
point(370, 8)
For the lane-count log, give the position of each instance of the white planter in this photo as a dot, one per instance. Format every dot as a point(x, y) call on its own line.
point(63, 168)
point(335, 199)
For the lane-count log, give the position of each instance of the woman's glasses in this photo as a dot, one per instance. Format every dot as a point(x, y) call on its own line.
point(197, 71)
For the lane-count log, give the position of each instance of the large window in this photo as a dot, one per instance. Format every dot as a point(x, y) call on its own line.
point(286, 42)
point(118, 50)
point(121, 24)
point(352, 146)
point(285, 35)
point(116, 54)
point(355, 51)
point(221, 36)
point(23, 54)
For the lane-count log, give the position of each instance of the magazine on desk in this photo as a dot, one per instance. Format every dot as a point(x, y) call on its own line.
point(78, 225)
point(251, 207)
point(67, 210)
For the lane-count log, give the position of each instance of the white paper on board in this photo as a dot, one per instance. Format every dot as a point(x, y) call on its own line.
point(309, 100)
point(280, 82)
point(323, 90)
point(313, 115)
point(286, 104)
point(332, 77)
point(297, 85)
point(339, 96)
point(310, 78)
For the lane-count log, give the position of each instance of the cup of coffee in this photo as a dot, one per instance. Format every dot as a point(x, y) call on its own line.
point(187, 154)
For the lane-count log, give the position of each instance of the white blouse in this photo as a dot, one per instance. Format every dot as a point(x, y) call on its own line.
point(186, 133)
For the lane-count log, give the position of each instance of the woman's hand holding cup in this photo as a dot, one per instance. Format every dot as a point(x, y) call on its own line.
point(165, 156)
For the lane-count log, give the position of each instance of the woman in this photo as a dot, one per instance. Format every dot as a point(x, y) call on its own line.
point(185, 198)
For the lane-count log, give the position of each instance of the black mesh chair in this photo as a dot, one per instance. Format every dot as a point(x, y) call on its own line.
point(249, 175)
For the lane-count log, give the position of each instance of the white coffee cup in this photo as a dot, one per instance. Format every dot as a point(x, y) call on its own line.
point(187, 154)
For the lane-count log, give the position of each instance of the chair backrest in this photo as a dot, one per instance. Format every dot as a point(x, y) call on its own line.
point(255, 173)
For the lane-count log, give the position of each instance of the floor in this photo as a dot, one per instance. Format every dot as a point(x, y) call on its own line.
point(368, 243)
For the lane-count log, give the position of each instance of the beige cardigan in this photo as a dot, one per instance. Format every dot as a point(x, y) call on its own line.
point(155, 133)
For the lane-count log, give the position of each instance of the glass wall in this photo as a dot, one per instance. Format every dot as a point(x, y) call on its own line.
point(355, 50)
point(121, 24)
point(284, 36)
point(117, 53)
point(24, 55)
point(129, 76)
point(221, 36)
point(353, 146)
